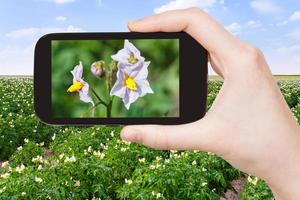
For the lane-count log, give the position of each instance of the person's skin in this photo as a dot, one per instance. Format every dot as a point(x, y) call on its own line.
point(249, 124)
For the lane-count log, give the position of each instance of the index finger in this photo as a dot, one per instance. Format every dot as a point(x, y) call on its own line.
point(197, 23)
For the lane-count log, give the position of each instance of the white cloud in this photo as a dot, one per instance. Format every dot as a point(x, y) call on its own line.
point(17, 57)
point(182, 4)
point(34, 32)
point(254, 24)
point(235, 28)
point(63, 1)
point(265, 6)
point(295, 16)
point(60, 18)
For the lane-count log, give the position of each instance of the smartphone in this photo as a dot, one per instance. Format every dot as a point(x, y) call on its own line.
point(119, 78)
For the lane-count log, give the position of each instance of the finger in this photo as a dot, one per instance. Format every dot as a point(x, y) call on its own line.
point(195, 22)
point(198, 135)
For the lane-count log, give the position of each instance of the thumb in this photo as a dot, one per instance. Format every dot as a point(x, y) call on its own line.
point(193, 136)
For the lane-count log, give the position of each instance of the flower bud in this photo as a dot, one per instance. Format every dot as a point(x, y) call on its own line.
point(98, 68)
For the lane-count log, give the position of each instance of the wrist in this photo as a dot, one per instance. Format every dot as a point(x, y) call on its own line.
point(284, 174)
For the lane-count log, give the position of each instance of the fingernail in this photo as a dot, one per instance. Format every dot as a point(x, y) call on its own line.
point(129, 134)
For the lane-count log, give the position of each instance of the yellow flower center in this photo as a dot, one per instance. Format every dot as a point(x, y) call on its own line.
point(75, 87)
point(130, 83)
point(132, 59)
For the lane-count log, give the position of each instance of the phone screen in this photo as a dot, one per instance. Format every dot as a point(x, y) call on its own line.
point(118, 78)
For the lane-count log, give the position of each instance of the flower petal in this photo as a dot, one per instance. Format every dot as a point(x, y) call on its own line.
point(77, 72)
point(121, 74)
point(142, 73)
point(130, 97)
point(84, 94)
point(121, 56)
point(118, 90)
point(132, 49)
point(143, 87)
point(85, 97)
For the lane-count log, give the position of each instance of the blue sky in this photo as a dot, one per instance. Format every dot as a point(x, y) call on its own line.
point(271, 25)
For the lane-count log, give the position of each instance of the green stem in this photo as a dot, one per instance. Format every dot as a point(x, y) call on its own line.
point(109, 79)
point(92, 109)
point(99, 98)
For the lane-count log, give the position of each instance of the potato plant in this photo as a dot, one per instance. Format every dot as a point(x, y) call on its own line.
point(39, 161)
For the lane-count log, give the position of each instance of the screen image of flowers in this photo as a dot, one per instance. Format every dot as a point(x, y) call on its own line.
point(115, 78)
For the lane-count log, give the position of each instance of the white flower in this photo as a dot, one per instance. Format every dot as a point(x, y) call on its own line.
point(53, 137)
point(38, 159)
point(252, 180)
point(152, 166)
point(129, 182)
point(203, 184)
point(5, 175)
point(158, 158)
point(2, 190)
point(158, 195)
point(79, 85)
point(40, 167)
point(20, 168)
point(129, 55)
point(5, 164)
point(99, 154)
point(90, 149)
point(112, 134)
point(204, 169)
point(142, 160)
point(77, 184)
point(123, 149)
point(19, 148)
point(26, 140)
point(194, 162)
point(131, 83)
point(61, 156)
point(70, 159)
point(23, 194)
point(38, 180)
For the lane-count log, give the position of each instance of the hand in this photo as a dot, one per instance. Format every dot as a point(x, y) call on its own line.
point(249, 124)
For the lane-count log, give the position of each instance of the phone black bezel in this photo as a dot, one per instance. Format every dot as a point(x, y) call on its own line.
point(193, 79)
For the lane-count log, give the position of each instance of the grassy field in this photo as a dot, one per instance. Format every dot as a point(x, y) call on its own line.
point(38, 161)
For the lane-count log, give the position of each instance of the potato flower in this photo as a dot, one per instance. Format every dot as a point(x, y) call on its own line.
point(129, 55)
point(131, 83)
point(79, 85)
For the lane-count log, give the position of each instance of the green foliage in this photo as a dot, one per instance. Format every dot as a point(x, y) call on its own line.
point(17, 119)
point(258, 191)
point(182, 175)
point(212, 91)
point(24, 154)
point(87, 163)
point(291, 92)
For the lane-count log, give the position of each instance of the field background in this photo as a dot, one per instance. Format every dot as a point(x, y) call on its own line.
point(38, 161)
